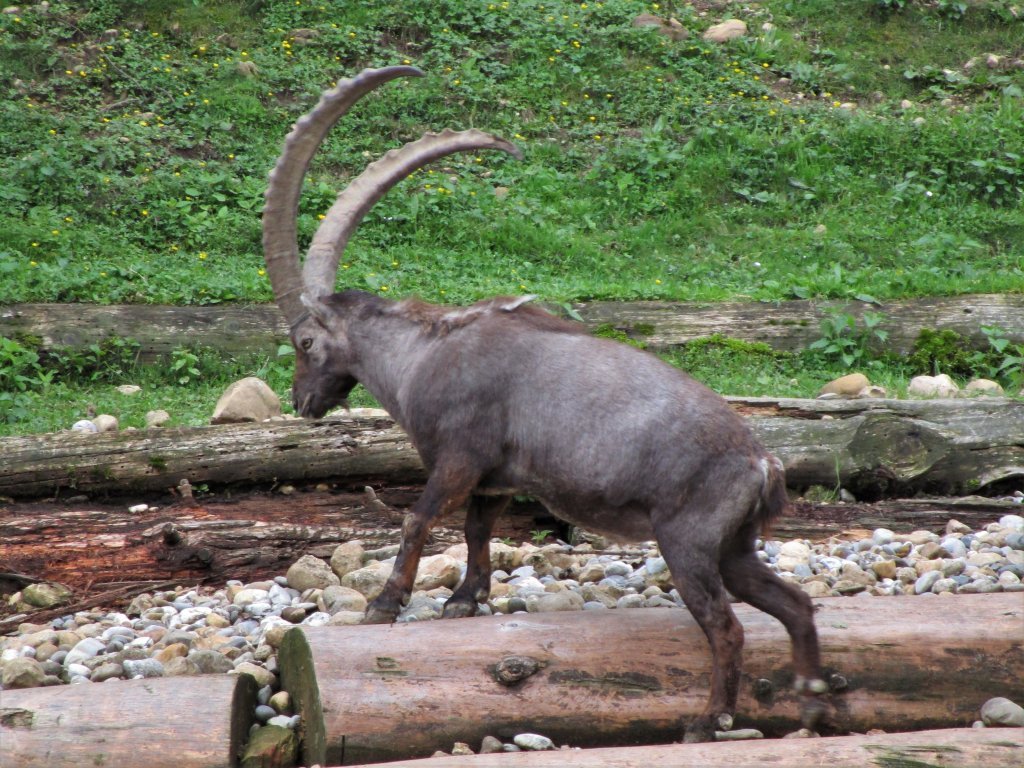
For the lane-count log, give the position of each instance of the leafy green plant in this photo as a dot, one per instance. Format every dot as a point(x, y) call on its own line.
point(539, 536)
point(1008, 362)
point(185, 365)
point(848, 341)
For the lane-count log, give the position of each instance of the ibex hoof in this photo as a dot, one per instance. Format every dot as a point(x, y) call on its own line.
point(699, 731)
point(458, 609)
point(378, 615)
point(813, 713)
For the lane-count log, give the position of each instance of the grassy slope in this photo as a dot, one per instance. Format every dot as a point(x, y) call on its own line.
point(134, 163)
point(135, 139)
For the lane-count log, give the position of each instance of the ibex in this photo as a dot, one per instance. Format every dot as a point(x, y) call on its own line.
point(503, 398)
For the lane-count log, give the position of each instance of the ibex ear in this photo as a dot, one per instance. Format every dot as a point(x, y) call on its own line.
point(318, 309)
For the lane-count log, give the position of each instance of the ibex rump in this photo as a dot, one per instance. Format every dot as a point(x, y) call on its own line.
point(503, 398)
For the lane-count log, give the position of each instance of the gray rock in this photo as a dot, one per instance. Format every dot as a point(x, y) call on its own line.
point(264, 712)
point(740, 734)
point(368, 580)
point(84, 649)
point(490, 745)
point(533, 741)
point(106, 671)
point(1000, 711)
point(926, 581)
point(210, 662)
point(45, 594)
point(338, 598)
point(309, 572)
point(421, 607)
point(247, 400)
point(347, 557)
point(22, 672)
point(550, 602)
point(143, 668)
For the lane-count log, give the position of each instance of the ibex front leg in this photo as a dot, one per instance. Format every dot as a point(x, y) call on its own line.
point(448, 487)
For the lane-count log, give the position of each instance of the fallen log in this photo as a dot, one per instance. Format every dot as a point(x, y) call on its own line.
point(208, 541)
point(85, 545)
point(877, 448)
point(989, 747)
point(785, 325)
point(374, 693)
point(172, 722)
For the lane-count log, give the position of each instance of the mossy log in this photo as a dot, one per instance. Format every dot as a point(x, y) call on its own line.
point(878, 448)
point(172, 722)
point(627, 677)
point(785, 325)
point(988, 747)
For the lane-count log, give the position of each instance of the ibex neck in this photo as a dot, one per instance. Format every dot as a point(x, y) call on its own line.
point(387, 349)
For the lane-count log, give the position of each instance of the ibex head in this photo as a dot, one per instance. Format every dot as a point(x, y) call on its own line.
point(318, 320)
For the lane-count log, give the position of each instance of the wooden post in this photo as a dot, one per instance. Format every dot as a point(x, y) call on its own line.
point(627, 677)
point(989, 747)
point(169, 722)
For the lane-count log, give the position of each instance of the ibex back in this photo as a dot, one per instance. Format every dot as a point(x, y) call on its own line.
point(503, 398)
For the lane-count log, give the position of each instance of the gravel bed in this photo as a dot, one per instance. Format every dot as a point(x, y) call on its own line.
point(237, 629)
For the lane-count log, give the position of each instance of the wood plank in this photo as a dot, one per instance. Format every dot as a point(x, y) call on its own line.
point(629, 677)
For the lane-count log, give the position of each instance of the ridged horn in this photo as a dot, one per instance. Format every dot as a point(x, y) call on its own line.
point(280, 210)
point(321, 267)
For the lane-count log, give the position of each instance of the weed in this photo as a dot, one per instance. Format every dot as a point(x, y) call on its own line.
point(185, 365)
point(845, 340)
point(538, 537)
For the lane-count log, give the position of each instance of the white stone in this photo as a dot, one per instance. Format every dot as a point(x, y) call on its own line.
point(727, 30)
point(105, 423)
point(932, 386)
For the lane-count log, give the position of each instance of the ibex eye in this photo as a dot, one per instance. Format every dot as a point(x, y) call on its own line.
point(307, 343)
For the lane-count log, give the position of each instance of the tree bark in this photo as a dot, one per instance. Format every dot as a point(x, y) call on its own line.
point(989, 747)
point(90, 547)
point(173, 722)
point(248, 538)
point(373, 693)
point(786, 325)
point(877, 448)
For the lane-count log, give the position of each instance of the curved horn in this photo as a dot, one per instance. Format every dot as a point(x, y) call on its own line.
point(321, 266)
point(280, 211)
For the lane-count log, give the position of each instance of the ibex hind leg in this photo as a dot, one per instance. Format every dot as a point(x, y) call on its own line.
point(695, 573)
point(475, 588)
point(752, 581)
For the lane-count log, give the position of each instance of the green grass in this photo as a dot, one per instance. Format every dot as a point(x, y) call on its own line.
point(135, 139)
point(134, 162)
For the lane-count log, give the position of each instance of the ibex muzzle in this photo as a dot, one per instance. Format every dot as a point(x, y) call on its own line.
point(503, 398)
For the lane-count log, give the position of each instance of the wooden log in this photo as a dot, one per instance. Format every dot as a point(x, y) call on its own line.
point(786, 325)
point(988, 747)
point(236, 454)
point(373, 693)
point(877, 448)
point(172, 722)
point(90, 545)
